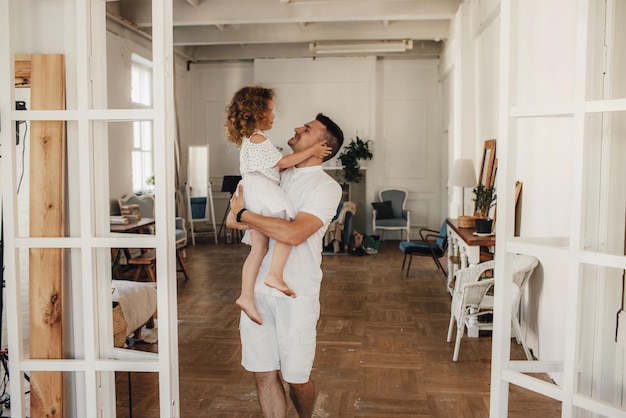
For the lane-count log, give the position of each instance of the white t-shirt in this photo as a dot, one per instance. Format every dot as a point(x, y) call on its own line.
point(313, 191)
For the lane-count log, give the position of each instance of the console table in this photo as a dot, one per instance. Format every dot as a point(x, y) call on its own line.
point(464, 246)
point(463, 251)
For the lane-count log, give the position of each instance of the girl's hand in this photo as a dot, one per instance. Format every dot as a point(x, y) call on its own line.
point(321, 150)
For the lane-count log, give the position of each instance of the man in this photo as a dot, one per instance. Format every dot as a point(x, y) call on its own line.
point(286, 340)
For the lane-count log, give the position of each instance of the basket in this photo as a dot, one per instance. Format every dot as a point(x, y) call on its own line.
point(119, 326)
point(467, 222)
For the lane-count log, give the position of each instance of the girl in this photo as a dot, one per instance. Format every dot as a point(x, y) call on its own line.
point(249, 114)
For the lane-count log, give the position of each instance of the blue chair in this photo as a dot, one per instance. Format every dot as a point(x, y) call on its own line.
point(390, 214)
point(433, 244)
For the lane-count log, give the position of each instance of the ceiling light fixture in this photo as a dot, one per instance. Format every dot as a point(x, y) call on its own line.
point(371, 47)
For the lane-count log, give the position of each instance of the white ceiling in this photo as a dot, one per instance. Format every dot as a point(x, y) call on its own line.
point(246, 29)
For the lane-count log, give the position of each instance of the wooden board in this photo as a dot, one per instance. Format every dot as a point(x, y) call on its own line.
point(22, 71)
point(47, 219)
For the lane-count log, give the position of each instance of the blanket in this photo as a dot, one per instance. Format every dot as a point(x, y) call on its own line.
point(335, 228)
point(138, 301)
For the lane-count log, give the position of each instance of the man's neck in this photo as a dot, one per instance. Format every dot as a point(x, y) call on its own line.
point(309, 162)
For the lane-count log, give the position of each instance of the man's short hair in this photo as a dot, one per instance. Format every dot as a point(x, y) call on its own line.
point(334, 134)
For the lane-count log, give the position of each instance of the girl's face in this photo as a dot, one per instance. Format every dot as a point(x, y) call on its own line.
point(268, 120)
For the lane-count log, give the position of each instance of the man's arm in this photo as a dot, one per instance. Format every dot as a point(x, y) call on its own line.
point(289, 232)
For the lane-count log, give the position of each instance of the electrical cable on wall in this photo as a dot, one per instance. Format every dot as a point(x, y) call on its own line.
point(20, 105)
point(19, 185)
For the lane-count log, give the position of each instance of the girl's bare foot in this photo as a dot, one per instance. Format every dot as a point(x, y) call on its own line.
point(249, 308)
point(279, 283)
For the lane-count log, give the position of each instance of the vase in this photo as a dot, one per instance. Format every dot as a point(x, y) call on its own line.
point(483, 225)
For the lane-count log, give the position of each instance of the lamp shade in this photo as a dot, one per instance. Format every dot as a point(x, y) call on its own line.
point(463, 174)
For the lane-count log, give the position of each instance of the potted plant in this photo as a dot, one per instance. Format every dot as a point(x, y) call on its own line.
point(485, 198)
point(356, 150)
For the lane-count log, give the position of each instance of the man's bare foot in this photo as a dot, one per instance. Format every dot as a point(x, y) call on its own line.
point(249, 309)
point(279, 283)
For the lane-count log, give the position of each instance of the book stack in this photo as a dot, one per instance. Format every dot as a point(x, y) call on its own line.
point(118, 220)
point(131, 212)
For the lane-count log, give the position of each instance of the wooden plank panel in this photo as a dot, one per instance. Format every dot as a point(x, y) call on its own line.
point(46, 219)
point(22, 71)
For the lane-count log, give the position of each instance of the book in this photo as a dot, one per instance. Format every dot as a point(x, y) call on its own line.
point(118, 220)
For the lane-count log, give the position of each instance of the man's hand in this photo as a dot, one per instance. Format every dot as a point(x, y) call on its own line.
point(236, 201)
point(236, 204)
point(231, 222)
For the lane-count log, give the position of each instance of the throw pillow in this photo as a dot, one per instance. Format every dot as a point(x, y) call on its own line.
point(383, 210)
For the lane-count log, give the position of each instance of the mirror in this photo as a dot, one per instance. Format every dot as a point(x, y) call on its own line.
point(198, 170)
point(200, 209)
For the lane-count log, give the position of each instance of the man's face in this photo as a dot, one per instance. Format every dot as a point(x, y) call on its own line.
point(307, 135)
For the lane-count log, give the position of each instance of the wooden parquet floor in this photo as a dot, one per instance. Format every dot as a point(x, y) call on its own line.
point(381, 352)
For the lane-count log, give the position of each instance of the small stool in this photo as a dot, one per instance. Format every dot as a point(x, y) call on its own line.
point(146, 261)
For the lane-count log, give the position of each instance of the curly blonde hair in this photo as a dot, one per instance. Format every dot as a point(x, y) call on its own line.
point(246, 111)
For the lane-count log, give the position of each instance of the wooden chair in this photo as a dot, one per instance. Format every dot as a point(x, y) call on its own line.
point(433, 244)
point(146, 261)
point(182, 267)
point(181, 246)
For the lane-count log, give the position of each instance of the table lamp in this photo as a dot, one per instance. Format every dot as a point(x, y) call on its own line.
point(463, 175)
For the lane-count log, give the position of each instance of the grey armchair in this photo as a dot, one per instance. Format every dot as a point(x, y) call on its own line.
point(145, 202)
point(390, 214)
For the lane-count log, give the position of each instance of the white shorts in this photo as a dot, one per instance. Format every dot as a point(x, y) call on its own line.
point(285, 341)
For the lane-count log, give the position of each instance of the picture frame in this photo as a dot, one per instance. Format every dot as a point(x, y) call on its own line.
point(489, 164)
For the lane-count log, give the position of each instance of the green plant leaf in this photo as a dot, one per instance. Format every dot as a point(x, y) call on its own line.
point(356, 150)
point(485, 198)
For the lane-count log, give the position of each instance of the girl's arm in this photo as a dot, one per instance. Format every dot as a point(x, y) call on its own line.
point(319, 150)
point(289, 232)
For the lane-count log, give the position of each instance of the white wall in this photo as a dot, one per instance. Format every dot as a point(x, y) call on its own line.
point(412, 131)
point(394, 103)
point(213, 86)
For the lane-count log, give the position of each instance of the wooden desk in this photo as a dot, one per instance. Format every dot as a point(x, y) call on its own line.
point(134, 226)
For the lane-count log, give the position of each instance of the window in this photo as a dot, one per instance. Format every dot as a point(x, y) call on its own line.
point(141, 81)
point(141, 96)
point(142, 157)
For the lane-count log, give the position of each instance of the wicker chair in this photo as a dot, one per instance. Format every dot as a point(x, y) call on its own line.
point(470, 299)
point(523, 267)
point(467, 296)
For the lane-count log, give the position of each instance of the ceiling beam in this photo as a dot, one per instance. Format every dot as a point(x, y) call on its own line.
point(294, 33)
point(222, 12)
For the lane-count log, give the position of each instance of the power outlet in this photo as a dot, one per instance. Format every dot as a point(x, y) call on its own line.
point(620, 336)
